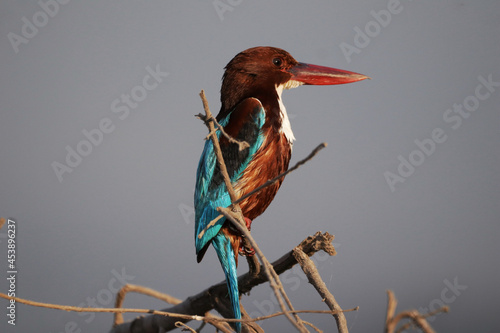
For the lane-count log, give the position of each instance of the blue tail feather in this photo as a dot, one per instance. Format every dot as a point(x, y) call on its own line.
point(225, 252)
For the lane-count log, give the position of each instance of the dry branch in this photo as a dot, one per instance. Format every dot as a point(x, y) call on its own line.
point(242, 145)
point(416, 319)
point(120, 298)
point(315, 279)
point(278, 177)
point(274, 280)
point(206, 300)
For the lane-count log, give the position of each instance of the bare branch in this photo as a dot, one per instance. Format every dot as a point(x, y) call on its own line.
point(242, 145)
point(251, 325)
point(218, 152)
point(268, 269)
point(295, 167)
point(109, 310)
point(220, 325)
point(303, 311)
point(184, 327)
point(253, 265)
point(392, 303)
point(120, 298)
point(194, 307)
point(416, 318)
point(313, 327)
point(205, 301)
point(315, 279)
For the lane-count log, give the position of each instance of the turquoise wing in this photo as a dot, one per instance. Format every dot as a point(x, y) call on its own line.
point(244, 123)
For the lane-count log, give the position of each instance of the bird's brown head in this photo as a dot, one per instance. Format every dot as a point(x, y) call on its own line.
point(261, 70)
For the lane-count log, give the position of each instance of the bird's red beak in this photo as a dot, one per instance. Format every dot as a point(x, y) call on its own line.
point(320, 75)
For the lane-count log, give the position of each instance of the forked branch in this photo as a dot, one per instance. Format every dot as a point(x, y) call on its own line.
point(415, 318)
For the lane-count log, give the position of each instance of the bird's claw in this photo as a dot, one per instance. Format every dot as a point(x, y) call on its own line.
point(245, 251)
point(248, 223)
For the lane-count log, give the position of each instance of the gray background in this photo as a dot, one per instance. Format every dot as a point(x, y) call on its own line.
point(127, 207)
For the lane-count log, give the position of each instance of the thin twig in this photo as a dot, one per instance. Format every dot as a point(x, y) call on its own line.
point(285, 296)
point(281, 313)
point(313, 327)
point(110, 310)
point(416, 318)
point(120, 298)
point(268, 269)
point(392, 303)
point(242, 145)
point(162, 313)
point(218, 151)
point(315, 279)
point(444, 309)
point(184, 327)
point(278, 177)
point(303, 311)
point(252, 327)
point(420, 316)
point(221, 325)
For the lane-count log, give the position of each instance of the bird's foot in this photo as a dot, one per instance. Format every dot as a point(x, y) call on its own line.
point(246, 251)
point(248, 222)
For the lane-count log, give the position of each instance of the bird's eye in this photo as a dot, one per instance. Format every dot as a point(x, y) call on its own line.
point(277, 61)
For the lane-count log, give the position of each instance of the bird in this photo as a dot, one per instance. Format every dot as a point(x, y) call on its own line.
point(252, 111)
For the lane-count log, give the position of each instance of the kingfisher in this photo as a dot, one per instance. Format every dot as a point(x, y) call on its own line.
point(252, 111)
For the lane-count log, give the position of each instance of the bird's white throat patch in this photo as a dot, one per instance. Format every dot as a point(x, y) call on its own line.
point(286, 127)
point(292, 84)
